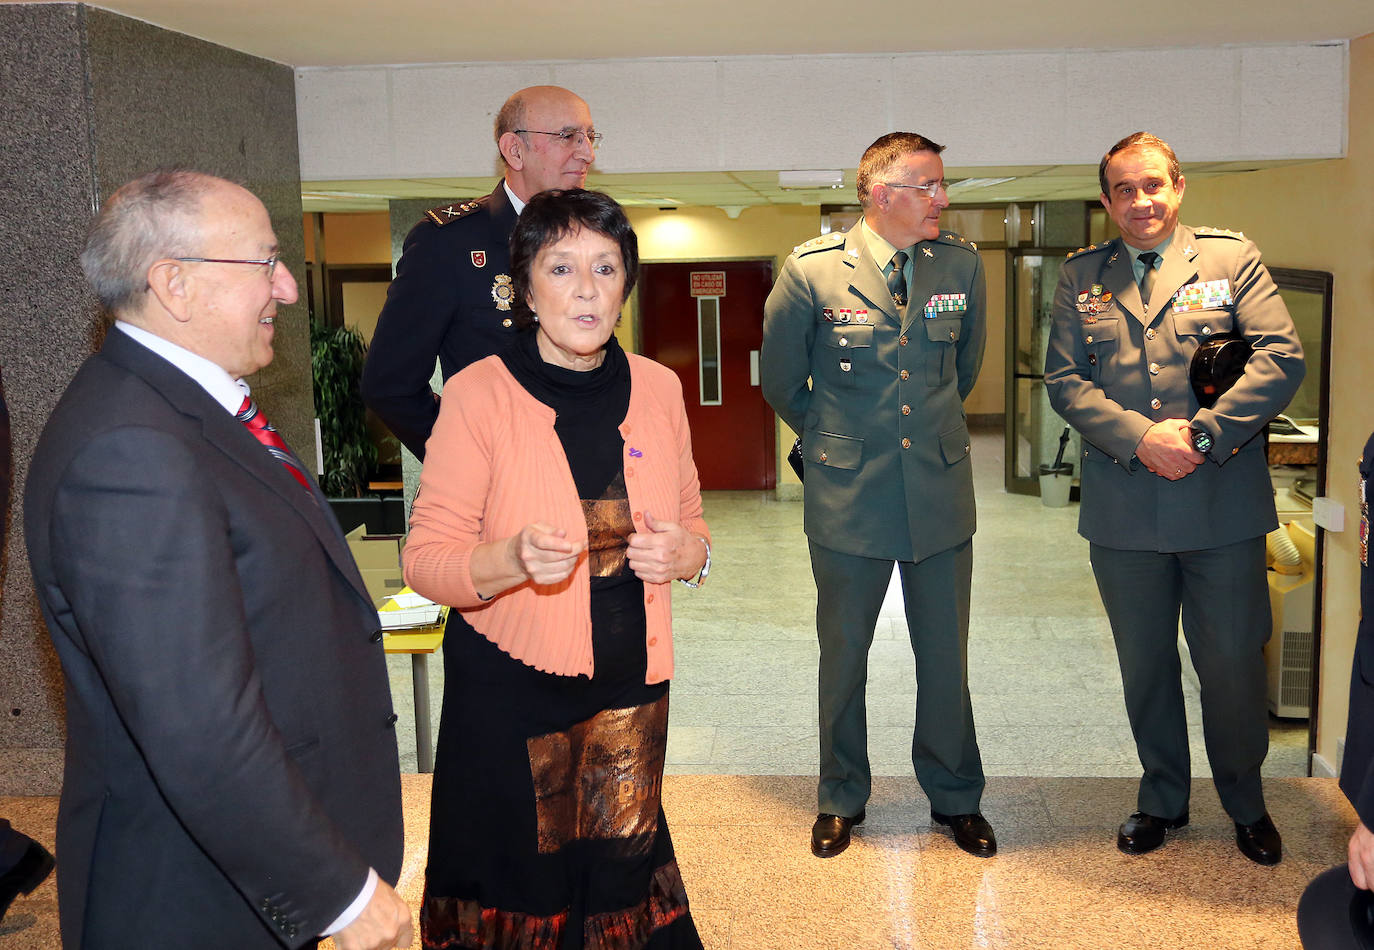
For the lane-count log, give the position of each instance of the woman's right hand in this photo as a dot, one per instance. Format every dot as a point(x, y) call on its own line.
point(543, 554)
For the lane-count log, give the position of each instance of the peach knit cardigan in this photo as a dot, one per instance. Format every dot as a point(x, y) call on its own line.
point(494, 464)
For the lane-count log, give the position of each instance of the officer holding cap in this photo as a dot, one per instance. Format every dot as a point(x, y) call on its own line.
point(1176, 497)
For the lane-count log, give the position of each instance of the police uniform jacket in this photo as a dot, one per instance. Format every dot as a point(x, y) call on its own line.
point(1357, 768)
point(1116, 367)
point(877, 391)
point(450, 299)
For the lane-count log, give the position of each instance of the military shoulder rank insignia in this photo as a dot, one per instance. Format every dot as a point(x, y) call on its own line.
point(958, 240)
point(447, 214)
point(1203, 295)
point(502, 291)
point(1219, 233)
point(1086, 250)
point(833, 239)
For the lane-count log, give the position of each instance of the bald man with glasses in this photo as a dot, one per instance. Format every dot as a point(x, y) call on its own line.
point(451, 298)
point(872, 339)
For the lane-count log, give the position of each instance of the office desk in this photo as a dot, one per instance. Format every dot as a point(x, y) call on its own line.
point(420, 642)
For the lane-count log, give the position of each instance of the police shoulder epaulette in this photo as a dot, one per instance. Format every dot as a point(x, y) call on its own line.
point(825, 241)
point(1087, 250)
point(1219, 233)
point(446, 214)
point(958, 240)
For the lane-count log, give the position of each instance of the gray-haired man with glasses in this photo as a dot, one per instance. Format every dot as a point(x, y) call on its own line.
point(451, 298)
point(871, 341)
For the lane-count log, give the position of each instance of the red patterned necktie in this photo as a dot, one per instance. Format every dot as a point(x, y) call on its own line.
point(264, 432)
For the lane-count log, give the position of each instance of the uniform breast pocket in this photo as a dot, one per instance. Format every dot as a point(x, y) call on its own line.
point(848, 351)
point(1202, 325)
point(943, 337)
point(1099, 339)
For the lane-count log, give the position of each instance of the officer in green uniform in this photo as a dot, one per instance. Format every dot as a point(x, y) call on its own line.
point(451, 298)
point(1176, 498)
point(871, 341)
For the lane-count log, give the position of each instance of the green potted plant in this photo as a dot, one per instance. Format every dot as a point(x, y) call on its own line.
point(336, 359)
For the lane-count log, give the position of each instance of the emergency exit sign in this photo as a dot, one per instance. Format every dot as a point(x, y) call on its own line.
point(708, 283)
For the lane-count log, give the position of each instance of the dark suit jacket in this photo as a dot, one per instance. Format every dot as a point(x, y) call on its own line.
point(1357, 768)
point(1110, 355)
point(451, 283)
point(877, 394)
point(231, 765)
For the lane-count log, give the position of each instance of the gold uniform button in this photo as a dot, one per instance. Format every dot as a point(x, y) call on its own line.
point(844, 341)
point(904, 374)
point(824, 457)
point(1155, 403)
point(906, 443)
point(1234, 451)
point(952, 336)
point(1154, 369)
point(906, 410)
point(1150, 333)
point(1088, 338)
point(902, 340)
point(506, 323)
point(1206, 331)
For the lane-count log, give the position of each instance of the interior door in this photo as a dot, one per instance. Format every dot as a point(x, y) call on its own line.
point(704, 321)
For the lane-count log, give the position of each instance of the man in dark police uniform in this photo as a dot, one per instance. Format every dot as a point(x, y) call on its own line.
point(1176, 497)
point(871, 341)
point(451, 298)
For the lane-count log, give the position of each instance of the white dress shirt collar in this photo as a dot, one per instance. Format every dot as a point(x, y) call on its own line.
point(222, 387)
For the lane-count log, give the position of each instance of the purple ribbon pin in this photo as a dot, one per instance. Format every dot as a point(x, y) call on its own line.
point(635, 453)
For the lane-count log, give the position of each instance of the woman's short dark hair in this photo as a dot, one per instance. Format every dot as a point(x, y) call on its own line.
point(551, 216)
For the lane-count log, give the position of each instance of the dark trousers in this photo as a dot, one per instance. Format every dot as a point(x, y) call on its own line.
point(944, 747)
point(1223, 595)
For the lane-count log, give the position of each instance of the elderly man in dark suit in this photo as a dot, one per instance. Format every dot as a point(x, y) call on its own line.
point(871, 341)
point(1176, 496)
point(231, 770)
point(451, 298)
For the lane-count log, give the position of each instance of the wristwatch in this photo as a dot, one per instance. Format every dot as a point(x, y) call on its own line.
point(1202, 440)
point(705, 568)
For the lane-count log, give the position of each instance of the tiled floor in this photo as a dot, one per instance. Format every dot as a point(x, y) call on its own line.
point(1058, 882)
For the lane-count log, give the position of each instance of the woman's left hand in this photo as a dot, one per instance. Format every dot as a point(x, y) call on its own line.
point(665, 551)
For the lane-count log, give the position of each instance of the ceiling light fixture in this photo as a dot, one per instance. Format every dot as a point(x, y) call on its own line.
point(806, 179)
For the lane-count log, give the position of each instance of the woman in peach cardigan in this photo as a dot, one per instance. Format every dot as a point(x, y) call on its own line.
point(558, 504)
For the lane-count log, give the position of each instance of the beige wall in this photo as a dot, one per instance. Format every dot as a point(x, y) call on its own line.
point(359, 238)
point(1321, 216)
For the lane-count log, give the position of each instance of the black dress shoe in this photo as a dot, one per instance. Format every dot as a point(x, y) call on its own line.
point(1260, 842)
point(830, 833)
point(33, 867)
point(1142, 833)
point(971, 832)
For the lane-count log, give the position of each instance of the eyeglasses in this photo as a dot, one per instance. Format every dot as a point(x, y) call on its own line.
point(930, 189)
point(270, 263)
point(569, 136)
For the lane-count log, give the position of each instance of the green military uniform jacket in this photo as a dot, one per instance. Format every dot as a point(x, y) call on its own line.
point(876, 392)
point(1116, 367)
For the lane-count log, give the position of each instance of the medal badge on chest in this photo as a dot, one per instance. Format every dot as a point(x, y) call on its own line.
point(502, 291)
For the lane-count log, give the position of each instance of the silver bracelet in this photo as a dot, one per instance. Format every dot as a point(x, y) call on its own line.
point(705, 568)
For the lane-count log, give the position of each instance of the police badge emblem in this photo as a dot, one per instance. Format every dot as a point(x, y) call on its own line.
point(502, 291)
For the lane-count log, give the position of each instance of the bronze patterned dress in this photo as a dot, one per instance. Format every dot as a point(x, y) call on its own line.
point(546, 829)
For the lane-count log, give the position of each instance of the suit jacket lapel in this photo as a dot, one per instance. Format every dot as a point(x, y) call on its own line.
point(926, 269)
point(865, 277)
point(1179, 267)
point(1118, 278)
point(231, 437)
